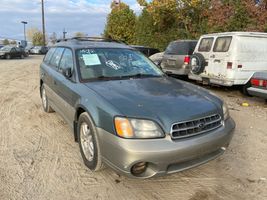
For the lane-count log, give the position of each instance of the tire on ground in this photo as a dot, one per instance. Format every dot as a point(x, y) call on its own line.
point(96, 163)
point(47, 108)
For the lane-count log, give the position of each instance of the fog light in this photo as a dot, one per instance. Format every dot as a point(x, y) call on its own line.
point(139, 168)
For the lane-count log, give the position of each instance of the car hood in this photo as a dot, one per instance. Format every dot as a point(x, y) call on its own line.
point(165, 100)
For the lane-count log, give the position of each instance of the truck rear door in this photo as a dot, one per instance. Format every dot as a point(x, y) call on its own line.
point(219, 59)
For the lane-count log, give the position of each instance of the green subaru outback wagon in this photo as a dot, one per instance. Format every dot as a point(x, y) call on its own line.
point(125, 113)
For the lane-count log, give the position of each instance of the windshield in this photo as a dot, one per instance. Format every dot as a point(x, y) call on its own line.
point(6, 48)
point(101, 63)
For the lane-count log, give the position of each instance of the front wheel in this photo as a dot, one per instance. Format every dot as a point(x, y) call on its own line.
point(89, 143)
point(8, 56)
point(22, 56)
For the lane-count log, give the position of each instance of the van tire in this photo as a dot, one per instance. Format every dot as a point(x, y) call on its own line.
point(197, 63)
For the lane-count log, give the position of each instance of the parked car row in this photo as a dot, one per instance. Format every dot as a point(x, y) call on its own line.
point(9, 52)
point(225, 59)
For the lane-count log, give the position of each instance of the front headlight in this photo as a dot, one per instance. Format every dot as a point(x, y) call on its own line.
point(137, 128)
point(225, 111)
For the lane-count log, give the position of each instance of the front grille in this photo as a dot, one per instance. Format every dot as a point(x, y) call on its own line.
point(196, 127)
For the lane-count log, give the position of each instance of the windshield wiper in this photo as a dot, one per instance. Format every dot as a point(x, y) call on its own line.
point(140, 75)
point(108, 77)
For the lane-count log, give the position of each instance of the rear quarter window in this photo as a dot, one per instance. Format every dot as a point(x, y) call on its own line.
point(56, 57)
point(180, 48)
point(49, 55)
point(222, 44)
point(205, 44)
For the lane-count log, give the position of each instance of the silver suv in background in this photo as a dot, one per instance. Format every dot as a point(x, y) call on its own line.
point(177, 57)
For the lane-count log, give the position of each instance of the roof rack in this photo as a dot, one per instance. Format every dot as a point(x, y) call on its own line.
point(91, 39)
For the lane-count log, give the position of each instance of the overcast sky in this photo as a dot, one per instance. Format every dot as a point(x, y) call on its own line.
point(88, 16)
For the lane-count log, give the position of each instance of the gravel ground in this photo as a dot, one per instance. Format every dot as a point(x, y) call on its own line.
point(40, 160)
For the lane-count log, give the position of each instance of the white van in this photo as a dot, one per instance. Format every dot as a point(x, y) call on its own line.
point(229, 58)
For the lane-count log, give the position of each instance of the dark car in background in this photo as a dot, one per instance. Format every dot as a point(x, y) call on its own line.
point(9, 52)
point(258, 85)
point(126, 113)
point(176, 58)
point(39, 50)
point(148, 51)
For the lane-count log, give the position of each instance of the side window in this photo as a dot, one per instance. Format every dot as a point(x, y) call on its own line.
point(49, 55)
point(56, 57)
point(66, 60)
point(222, 44)
point(206, 44)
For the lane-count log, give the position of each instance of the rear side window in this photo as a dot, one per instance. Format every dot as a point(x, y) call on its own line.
point(205, 44)
point(56, 57)
point(49, 55)
point(222, 44)
point(66, 60)
point(181, 48)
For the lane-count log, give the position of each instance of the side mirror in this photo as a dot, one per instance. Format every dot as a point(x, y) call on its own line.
point(67, 72)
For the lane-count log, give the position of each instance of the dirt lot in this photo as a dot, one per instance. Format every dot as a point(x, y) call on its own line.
point(40, 160)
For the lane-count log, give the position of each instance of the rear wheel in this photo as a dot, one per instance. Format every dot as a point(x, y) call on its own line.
point(47, 108)
point(89, 143)
point(22, 56)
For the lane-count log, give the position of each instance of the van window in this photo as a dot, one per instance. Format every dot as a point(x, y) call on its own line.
point(222, 44)
point(205, 44)
point(181, 48)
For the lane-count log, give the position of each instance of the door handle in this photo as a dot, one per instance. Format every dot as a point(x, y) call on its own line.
point(212, 56)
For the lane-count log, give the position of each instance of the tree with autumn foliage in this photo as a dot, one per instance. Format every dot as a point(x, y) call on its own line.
point(162, 21)
point(121, 23)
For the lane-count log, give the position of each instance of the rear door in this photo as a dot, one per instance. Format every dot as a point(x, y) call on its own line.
point(51, 77)
point(65, 87)
point(205, 48)
point(219, 58)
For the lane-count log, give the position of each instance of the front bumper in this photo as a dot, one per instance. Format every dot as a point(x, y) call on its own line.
point(164, 156)
point(258, 92)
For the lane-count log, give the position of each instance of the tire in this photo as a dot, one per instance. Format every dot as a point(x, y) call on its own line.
point(89, 143)
point(22, 56)
point(8, 57)
point(197, 63)
point(244, 89)
point(47, 108)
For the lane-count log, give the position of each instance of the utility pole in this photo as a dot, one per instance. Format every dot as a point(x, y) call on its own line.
point(24, 24)
point(64, 33)
point(43, 22)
